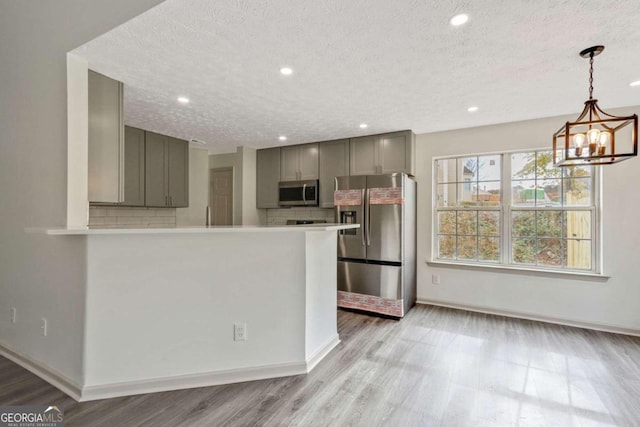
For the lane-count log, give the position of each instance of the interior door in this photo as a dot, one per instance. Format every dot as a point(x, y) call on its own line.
point(221, 197)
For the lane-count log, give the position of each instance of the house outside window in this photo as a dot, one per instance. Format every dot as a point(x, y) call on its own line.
point(517, 210)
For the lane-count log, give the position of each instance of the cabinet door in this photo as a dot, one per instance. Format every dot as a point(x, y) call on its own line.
point(155, 177)
point(308, 161)
point(289, 163)
point(363, 157)
point(133, 167)
point(267, 176)
point(333, 162)
point(178, 172)
point(106, 139)
point(396, 152)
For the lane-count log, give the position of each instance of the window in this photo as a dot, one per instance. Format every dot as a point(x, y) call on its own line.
point(515, 209)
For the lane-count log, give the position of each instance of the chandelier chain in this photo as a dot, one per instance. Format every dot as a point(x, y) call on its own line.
point(591, 76)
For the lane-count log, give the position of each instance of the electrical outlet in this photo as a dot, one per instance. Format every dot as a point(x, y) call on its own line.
point(44, 326)
point(435, 279)
point(240, 332)
point(13, 315)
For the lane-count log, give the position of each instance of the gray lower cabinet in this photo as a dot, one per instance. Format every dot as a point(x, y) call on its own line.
point(299, 162)
point(333, 160)
point(134, 149)
point(106, 139)
point(382, 154)
point(267, 177)
point(166, 171)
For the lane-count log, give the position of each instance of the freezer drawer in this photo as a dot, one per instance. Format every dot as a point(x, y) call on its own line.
point(383, 281)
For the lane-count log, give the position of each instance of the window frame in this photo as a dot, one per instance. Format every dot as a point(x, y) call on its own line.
point(505, 226)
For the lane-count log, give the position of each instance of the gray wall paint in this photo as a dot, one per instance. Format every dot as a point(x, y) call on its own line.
point(43, 276)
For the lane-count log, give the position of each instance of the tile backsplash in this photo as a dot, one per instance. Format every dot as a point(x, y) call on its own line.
point(125, 217)
point(280, 216)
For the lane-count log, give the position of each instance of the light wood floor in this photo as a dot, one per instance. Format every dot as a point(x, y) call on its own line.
point(436, 367)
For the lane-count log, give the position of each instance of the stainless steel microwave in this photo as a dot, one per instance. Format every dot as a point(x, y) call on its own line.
point(298, 193)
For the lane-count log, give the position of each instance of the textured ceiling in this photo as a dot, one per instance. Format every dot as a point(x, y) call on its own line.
point(392, 64)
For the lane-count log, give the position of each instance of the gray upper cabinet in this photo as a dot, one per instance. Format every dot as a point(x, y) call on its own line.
point(333, 159)
point(166, 171)
point(106, 139)
point(382, 154)
point(178, 180)
point(134, 150)
point(267, 176)
point(299, 162)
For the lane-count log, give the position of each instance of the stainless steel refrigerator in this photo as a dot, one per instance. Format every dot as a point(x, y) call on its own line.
point(377, 262)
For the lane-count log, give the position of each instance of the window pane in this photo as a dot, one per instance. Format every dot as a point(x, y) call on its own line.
point(578, 254)
point(523, 223)
point(468, 169)
point(577, 224)
point(467, 248)
point(577, 191)
point(446, 195)
point(467, 223)
point(489, 223)
point(523, 166)
point(447, 222)
point(549, 223)
point(467, 194)
point(488, 193)
point(523, 193)
point(446, 247)
point(446, 170)
point(524, 251)
point(577, 172)
point(489, 249)
point(489, 168)
point(550, 252)
point(549, 193)
point(545, 167)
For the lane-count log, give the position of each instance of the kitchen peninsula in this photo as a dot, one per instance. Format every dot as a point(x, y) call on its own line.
point(162, 305)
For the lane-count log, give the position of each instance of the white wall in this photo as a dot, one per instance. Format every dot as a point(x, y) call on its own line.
point(198, 189)
point(43, 276)
point(234, 161)
point(169, 305)
point(614, 303)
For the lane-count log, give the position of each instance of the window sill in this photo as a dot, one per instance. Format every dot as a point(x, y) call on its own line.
point(576, 275)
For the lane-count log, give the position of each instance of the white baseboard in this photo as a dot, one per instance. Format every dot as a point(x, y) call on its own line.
point(181, 382)
point(322, 352)
point(47, 373)
point(532, 316)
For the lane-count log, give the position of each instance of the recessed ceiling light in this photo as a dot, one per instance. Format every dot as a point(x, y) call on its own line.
point(459, 19)
point(282, 138)
point(363, 125)
point(472, 109)
point(183, 100)
point(286, 71)
point(634, 84)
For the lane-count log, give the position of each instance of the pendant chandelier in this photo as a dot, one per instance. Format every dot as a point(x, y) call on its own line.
point(595, 137)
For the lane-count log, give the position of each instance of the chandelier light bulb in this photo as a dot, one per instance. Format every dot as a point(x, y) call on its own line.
point(604, 139)
point(593, 135)
point(578, 139)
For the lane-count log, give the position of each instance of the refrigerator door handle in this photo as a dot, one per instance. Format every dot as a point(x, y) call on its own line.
point(363, 228)
point(368, 218)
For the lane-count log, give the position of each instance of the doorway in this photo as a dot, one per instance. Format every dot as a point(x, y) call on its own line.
point(221, 196)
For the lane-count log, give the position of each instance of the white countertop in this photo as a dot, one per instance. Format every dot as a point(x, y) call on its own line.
point(66, 231)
